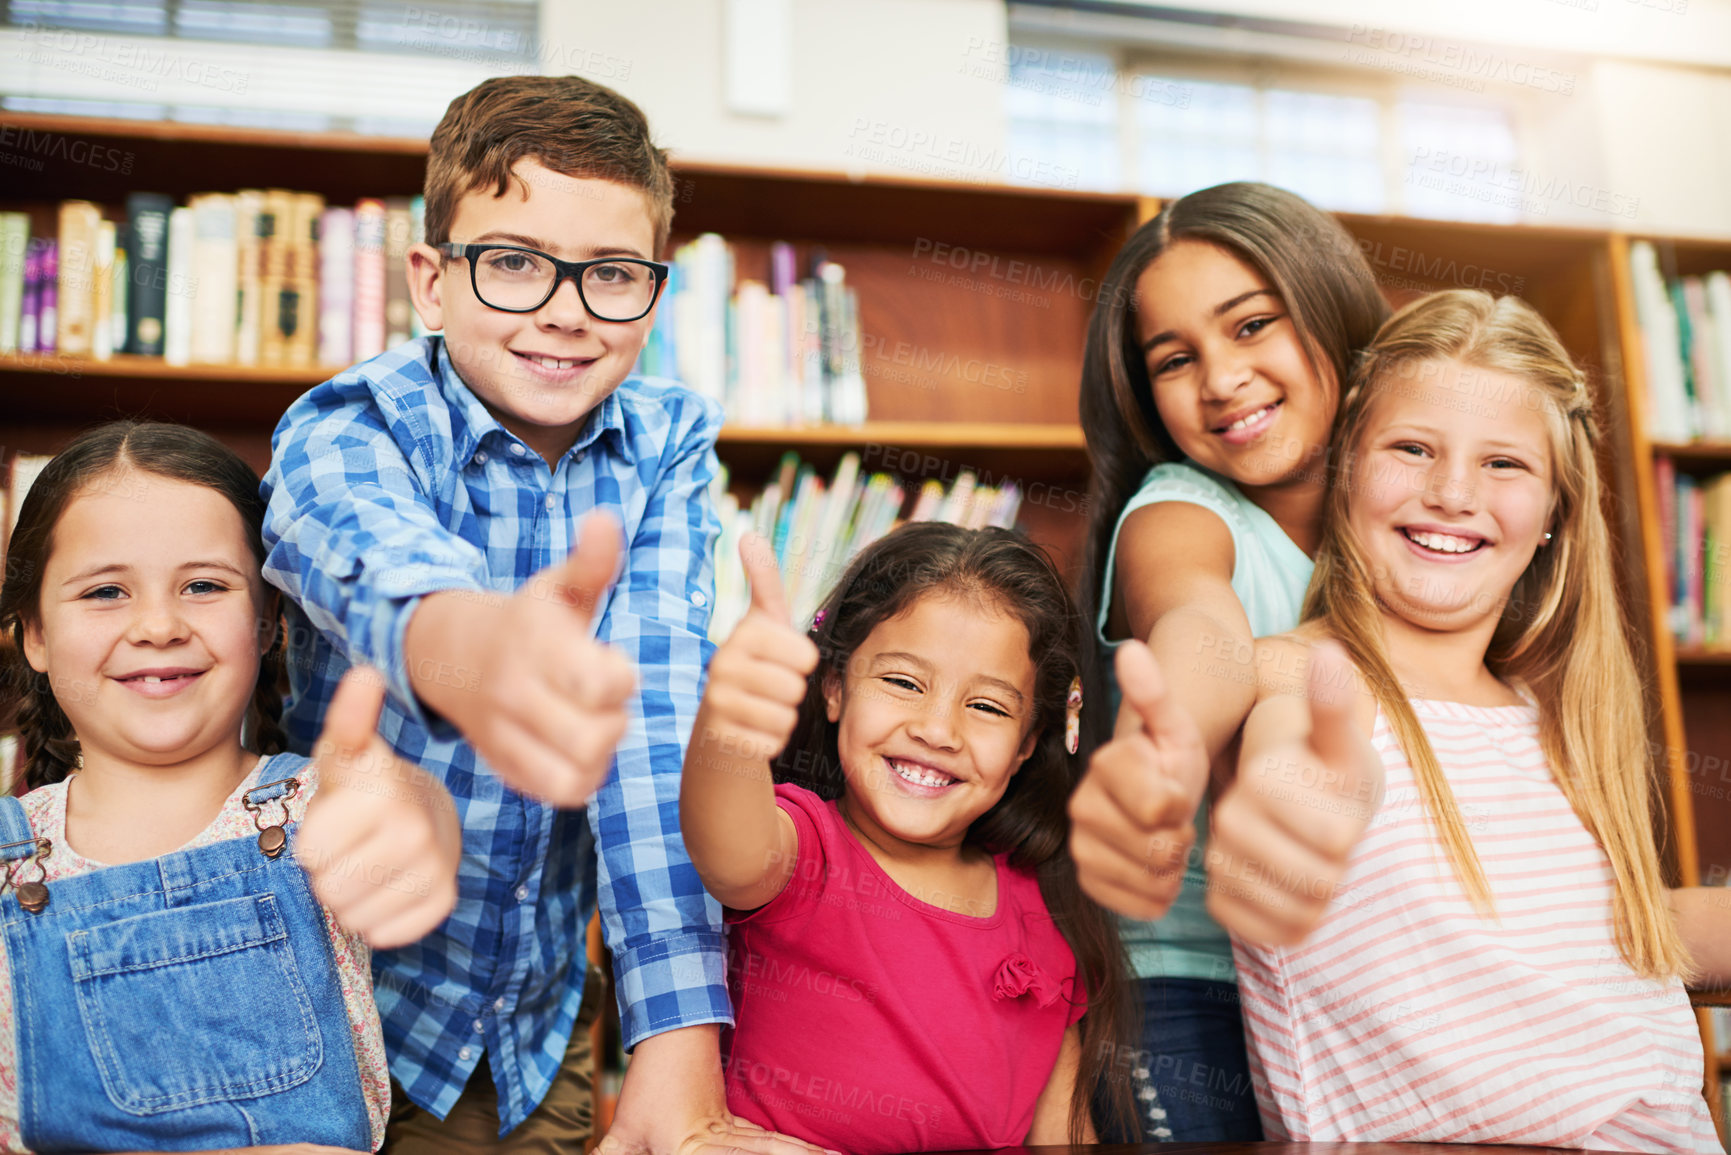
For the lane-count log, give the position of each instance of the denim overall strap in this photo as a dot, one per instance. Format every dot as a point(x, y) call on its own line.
point(186, 1002)
point(17, 840)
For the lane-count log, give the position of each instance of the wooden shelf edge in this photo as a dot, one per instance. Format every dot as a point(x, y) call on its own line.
point(127, 365)
point(914, 435)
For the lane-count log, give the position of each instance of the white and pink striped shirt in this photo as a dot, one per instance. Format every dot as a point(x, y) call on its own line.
point(1408, 1017)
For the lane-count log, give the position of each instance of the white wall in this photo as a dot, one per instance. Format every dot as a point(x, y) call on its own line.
point(1666, 136)
point(915, 86)
point(879, 85)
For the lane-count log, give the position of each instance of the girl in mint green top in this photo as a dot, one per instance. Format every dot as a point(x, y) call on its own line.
point(1209, 387)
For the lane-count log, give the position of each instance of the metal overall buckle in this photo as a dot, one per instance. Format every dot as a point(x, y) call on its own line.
point(272, 838)
point(32, 895)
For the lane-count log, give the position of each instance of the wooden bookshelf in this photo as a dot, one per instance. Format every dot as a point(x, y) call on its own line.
point(959, 285)
point(1693, 725)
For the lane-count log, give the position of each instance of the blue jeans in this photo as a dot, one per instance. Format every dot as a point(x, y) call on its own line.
point(1191, 1074)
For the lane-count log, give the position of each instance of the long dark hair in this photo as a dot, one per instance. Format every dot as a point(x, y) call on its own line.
point(1306, 257)
point(50, 749)
point(1029, 822)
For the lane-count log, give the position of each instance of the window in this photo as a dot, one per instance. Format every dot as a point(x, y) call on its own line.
point(1063, 119)
point(1342, 140)
point(360, 65)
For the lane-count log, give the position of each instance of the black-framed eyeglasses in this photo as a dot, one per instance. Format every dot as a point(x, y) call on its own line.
point(515, 279)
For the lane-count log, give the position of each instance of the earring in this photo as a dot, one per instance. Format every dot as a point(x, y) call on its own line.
point(1547, 536)
point(1073, 716)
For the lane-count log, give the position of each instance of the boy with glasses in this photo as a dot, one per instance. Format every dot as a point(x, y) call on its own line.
point(454, 512)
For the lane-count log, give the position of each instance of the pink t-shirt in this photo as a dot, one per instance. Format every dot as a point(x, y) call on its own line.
point(869, 1020)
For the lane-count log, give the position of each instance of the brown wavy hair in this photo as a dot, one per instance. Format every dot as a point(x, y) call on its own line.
point(49, 747)
point(571, 125)
point(1561, 634)
point(1304, 254)
point(1030, 821)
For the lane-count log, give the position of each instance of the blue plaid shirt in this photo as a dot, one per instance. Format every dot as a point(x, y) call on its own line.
point(391, 481)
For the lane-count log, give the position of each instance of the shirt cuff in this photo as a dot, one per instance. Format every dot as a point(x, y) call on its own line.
point(677, 980)
point(397, 679)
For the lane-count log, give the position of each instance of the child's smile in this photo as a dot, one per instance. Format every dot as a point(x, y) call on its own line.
point(1452, 492)
point(933, 720)
point(1228, 371)
point(152, 611)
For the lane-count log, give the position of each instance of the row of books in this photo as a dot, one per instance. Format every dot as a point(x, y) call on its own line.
point(817, 527)
point(1686, 332)
point(257, 277)
point(782, 353)
point(1695, 527)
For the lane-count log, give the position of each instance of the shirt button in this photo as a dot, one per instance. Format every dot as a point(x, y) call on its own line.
point(481, 458)
point(522, 894)
point(551, 501)
point(499, 1004)
point(480, 1026)
point(581, 454)
point(464, 1054)
point(698, 600)
point(517, 448)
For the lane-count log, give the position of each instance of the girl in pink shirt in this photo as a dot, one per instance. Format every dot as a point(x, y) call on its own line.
point(913, 966)
point(1437, 858)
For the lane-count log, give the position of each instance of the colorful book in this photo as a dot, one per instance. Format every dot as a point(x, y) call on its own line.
point(14, 247)
point(181, 287)
point(102, 310)
point(369, 292)
point(147, 261)
point(216, 271)
point(336, 286)
point(48, 301)
point(399, 224)
point(78, 276)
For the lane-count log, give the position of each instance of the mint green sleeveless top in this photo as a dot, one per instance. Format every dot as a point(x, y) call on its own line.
point(1269, 575)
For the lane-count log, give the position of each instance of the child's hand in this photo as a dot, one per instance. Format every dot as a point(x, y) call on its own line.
point(757, 678)
point(1132, 818)
point(543, 702)
point(380, 841)
point(1285, 831)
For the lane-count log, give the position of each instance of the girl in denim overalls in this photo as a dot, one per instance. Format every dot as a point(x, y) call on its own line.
point(168, 976)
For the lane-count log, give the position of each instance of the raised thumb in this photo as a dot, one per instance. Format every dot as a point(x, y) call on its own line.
point(583, 578)
point(1331, 690)
point(352, 719)
point(767, 592)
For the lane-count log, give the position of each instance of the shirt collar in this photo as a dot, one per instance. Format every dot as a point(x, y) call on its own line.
point(474, 423)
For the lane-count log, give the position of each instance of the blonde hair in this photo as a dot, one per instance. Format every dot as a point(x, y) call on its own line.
point(1560, 634)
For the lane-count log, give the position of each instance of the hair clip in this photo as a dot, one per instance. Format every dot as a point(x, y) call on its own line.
point(817, 618)
point(1073, 716)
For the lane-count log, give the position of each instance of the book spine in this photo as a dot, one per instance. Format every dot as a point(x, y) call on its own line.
point(30, 305)
point(77, 288)
point(48, 306)
point(251, 225)
point(301, 300)
point(101, 334)
point(147, 260)
point(336, 286)
point(417, 235)
point(369, 324)
point(182, 287)
point(216, 265)
point(14, 249)
point(120, 282)
point(398, 223)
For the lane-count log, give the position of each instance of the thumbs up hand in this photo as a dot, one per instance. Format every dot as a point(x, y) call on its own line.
point(1132, 818)
point(380, 840)
point(757, 678)
point(541, 700)
point(1308, 785)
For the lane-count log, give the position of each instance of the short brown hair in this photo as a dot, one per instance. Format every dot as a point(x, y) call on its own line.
point(571, 125)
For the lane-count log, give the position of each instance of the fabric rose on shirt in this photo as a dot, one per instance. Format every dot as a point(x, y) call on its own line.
point(1017, 975)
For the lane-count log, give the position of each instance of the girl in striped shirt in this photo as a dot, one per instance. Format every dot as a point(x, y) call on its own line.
point(1440, 872)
